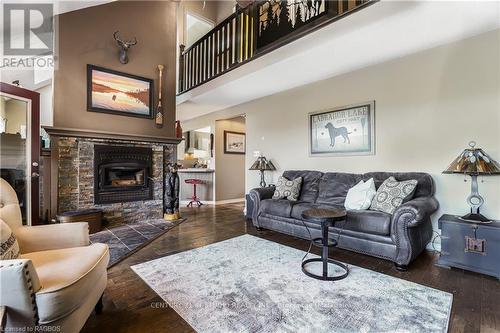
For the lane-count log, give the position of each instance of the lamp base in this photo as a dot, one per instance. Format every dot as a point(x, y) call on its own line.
point(262, 179)
point(475, 218)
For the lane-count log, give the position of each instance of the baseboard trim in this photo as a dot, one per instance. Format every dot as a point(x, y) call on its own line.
point(205, 202)
point(211, 202)
point(222, 202)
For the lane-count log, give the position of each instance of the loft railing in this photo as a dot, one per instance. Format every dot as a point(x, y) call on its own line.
point(253, 31)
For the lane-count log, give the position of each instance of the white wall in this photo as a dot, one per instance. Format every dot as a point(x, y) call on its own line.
point(428, 106)
point(46, 105)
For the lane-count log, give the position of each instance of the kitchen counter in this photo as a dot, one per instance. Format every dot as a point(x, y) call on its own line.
point(196, 170)
point(204, 191)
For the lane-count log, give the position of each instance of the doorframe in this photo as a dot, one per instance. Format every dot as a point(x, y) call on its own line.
point(33, 122)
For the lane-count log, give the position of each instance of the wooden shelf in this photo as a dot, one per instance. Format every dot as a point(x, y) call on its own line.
point(82, 133)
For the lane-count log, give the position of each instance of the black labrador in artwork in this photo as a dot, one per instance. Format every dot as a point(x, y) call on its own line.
point(337, 131)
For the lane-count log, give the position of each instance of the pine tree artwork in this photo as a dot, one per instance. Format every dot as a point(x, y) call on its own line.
point(279, 18)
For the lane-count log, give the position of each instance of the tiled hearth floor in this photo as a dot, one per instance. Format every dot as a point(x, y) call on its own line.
point(127, 238)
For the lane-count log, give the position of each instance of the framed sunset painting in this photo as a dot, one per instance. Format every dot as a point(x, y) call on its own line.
point(119, 93)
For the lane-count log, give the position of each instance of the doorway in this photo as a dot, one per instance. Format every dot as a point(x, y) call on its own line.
point(230, 151)
point(20, 147)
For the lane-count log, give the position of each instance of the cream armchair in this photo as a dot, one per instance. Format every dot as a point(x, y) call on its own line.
point(58, 279)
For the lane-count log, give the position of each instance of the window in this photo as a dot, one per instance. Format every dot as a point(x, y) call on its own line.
point(196, 28)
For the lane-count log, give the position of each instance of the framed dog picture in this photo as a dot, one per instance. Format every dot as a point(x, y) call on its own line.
point(347, 130)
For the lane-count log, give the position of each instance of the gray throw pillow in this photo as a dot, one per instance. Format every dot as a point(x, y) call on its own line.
point(289, 189)
point(9, 247)
point(392, 193)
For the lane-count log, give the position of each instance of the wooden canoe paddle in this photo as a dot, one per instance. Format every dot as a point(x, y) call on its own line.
point(159, 109)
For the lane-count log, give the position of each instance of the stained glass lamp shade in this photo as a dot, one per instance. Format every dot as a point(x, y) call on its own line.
point(262, 164)
point(474, 162)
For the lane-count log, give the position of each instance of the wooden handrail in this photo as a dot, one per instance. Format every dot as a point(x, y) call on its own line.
point(252, 31)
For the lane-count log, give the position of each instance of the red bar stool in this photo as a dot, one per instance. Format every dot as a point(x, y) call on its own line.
point(194, 198)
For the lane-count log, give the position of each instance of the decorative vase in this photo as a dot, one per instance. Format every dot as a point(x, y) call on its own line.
point(178, 129)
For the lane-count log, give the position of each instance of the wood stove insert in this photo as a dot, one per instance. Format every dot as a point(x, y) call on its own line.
point(122, 174)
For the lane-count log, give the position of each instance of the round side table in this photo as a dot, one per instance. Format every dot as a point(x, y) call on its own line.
point(327, 218)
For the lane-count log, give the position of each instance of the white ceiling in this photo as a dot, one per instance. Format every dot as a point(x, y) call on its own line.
point(381, 32)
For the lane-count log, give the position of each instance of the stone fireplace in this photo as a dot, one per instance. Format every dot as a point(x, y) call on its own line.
point(122, 175)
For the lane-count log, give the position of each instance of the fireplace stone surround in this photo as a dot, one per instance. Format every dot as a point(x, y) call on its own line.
point(76, 183)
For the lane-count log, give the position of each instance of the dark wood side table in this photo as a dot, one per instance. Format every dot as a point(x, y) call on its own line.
point(471, 246)
point(327, 218)
point(92, 216)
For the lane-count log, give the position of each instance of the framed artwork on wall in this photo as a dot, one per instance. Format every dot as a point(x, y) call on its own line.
point(109, 91)
point(347, 130)
point(234, 143)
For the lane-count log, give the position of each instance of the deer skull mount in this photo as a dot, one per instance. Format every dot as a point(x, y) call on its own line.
point(124, 47)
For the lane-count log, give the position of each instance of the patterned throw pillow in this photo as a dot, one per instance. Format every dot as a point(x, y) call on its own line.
point(9, 247)
point(289, 189)
point(392, 193)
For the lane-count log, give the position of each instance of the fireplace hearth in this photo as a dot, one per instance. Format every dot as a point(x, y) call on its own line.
point(122, 174)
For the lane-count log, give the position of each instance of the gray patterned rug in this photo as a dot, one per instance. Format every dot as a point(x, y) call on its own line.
point(248, 284)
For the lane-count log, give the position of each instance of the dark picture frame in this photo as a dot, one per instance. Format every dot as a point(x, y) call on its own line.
point(141, 99)
point(343, 131)
point(229, 143)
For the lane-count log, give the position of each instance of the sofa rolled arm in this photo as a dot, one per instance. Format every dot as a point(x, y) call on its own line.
point(412, 228)
point(257, 195)
point(53, 236)
point(415, 211)
point(19, 282)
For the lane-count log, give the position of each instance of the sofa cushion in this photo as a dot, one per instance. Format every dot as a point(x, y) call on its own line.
point(67, 276)
point(310, 183)
point(277, 207)
point(333, 187)
point(425, 186)
point(368, 221)
point(299, 208)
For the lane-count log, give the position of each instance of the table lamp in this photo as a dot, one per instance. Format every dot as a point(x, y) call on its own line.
point(262, 164)
point(474, 162)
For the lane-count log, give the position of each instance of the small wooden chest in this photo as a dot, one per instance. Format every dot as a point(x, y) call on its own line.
point(92, 216)
point(471, 246)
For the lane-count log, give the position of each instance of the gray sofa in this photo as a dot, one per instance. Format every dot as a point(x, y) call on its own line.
point(400, 237)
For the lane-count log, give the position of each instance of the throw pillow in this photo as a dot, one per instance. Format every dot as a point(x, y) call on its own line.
point(360, 196)
point(392, 193)
point(9, 246)
point(289, 189)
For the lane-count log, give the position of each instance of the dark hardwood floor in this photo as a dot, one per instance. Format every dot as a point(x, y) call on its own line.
point(131, 306)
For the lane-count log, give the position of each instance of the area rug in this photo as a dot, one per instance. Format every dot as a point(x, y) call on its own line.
point(248, 284)
point(125, 239)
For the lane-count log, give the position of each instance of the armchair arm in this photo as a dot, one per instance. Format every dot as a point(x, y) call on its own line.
point(412, 228)
point(415, 211)
point(257, 195)
point(53, 236)
point(19, 282)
